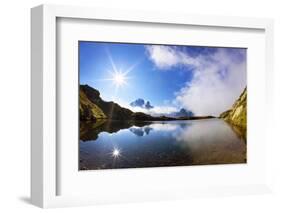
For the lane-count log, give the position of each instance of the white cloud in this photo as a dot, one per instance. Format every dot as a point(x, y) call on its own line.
point(218, 77)
point(164, 127)
point(160, 127)
point(165, 57)
point(155, 111)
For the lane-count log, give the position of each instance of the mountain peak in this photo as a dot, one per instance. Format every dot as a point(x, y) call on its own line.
point(141, 103)
point(184, 113)
point(90, 91)
point(148, 106)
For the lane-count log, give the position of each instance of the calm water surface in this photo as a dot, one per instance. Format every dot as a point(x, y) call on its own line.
point(108, 145)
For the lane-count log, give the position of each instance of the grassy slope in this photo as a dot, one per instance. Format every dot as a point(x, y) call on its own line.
point(89, 110)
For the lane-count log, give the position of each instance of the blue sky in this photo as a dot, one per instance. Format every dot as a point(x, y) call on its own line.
point(170, 77)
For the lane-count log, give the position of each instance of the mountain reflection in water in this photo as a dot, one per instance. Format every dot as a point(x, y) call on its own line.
point(155, 144)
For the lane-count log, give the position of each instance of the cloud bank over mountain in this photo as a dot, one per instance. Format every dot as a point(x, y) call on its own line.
point(141, 103)
point(219, 76)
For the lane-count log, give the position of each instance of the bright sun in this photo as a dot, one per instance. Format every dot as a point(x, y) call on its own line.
point(119, 79)
point(115, 153)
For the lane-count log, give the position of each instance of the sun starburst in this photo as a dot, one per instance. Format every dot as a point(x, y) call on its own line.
point(119, 78)
point(115, 153)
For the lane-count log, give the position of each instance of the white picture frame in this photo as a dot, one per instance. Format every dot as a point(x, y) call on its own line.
point(44, 154)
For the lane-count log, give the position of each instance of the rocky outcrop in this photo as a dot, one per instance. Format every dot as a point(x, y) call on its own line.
point(93, 107)
point(237, 115)
point(88, 110)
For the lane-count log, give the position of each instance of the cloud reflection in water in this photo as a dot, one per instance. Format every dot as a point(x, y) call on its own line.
point(172, 143)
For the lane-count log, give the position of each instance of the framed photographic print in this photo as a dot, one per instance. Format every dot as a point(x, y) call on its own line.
point(149, 106)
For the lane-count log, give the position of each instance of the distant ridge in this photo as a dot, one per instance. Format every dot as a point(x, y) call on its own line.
point(92, 107)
